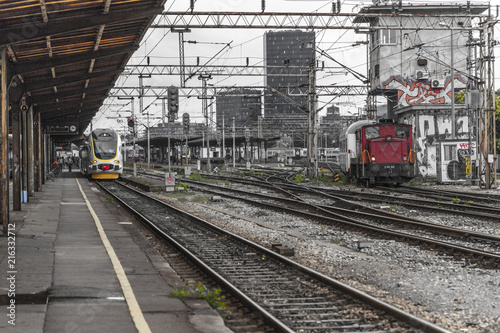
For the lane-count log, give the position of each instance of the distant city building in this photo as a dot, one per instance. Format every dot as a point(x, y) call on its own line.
point(292, 48)
point(177, 130)
point(244, 105)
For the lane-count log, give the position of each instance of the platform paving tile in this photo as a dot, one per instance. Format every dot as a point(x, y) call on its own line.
point(91, 317)
point(64, 268)
point(29, 319)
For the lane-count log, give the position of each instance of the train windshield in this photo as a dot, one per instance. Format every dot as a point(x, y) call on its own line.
point(105, 144)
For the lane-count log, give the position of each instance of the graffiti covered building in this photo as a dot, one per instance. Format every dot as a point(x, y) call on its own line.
point(413, 69)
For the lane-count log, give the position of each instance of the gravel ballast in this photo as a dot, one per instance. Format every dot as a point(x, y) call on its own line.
point(453, 294)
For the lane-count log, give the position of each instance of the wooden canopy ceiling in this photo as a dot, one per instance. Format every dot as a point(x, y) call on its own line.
point(68, 54)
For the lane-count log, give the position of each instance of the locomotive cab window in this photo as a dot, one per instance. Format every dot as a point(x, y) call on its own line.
point(372, 132)
point(402, 131)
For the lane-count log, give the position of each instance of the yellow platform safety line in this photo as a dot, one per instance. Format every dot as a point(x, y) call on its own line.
point(134, 308)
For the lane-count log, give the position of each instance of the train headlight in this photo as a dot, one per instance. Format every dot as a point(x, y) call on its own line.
point(373, 158)
point(93, 161)
point(116, 161)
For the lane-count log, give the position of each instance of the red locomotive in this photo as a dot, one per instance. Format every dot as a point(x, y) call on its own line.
point(377, 153)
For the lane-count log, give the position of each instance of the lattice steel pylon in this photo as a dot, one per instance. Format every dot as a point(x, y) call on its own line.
point(487, 136)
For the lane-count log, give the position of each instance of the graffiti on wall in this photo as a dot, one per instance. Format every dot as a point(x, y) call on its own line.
point(411, 92)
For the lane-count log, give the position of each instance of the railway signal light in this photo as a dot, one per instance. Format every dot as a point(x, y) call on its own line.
point(185, 122)
point(173, 99)
point(130, 122)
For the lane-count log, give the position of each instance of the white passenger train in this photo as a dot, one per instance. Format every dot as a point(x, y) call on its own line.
point(101, 156)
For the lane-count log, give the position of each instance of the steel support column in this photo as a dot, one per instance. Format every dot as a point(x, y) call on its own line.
point(31, 164)
point(37, 130)
point(16, 156)
point(45, 157)
point(24, 169)
point(16, 93)
point(4, 144)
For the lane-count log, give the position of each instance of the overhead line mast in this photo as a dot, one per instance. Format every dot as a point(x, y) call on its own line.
point(328, 21)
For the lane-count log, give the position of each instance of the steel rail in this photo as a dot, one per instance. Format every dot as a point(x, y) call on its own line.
point(269, 318)
point(429, 192)
point(363, 226)
point(397, 313)
point(471, 211)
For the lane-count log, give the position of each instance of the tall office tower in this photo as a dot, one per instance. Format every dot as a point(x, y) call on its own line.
point(295, 50)
point(242, 104)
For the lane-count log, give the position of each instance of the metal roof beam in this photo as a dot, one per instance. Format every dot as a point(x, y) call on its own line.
point(67, 22)
point(55, 96)
point(65, 60)
point(70, 107)
point(76, 112)
point(61, 81)
point(68, 119)
point(53, 104)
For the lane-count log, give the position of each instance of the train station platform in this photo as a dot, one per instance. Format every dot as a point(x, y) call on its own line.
point(76, 262)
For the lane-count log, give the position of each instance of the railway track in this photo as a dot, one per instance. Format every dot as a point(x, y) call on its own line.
point(444, 195)
point(477, 248)
point(288, 296)
point(452, 206)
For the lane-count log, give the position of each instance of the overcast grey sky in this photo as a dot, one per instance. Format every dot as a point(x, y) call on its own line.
point(162, 47)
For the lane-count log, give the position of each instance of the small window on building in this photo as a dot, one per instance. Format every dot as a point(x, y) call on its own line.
point(450, 152)
point(377, 70)
point(388, 37)
point(375, 39)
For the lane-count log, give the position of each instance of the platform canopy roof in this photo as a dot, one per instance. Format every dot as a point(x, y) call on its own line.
point(66, 55)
